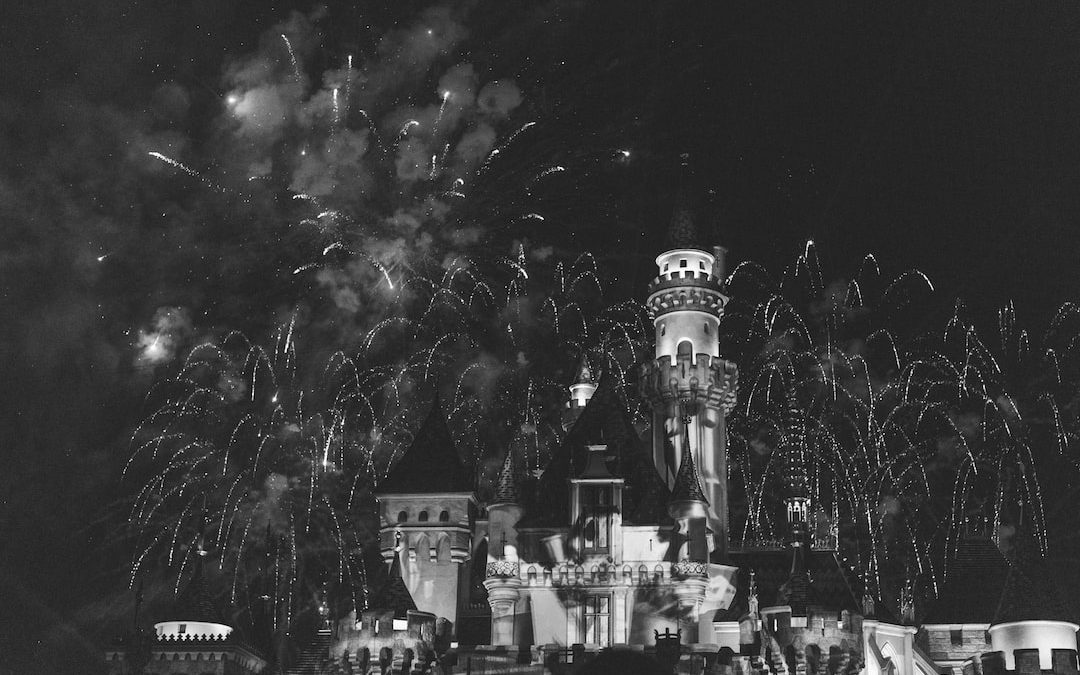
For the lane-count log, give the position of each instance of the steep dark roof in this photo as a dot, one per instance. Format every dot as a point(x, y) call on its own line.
point(829, 585)
point(431, 464)
point(688, 481)
point(195, 603)
point(393, 596)
point(971, 591)
point(604, 421)
point(682, 230)
point(1030, 591)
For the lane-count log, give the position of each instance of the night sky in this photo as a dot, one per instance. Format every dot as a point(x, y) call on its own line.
point(942, 137)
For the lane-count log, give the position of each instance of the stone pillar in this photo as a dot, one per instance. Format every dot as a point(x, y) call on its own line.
point(620, 625)
point(503, 594)
point(690, 587)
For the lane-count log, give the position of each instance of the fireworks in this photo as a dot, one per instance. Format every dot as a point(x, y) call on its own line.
point(403, 289)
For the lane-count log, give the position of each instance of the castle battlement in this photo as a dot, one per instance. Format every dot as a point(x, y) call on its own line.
point(703, 377)
point(1063, 662)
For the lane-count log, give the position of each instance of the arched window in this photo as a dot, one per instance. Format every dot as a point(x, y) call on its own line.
point(643, 574)
point(423, 517)
point(658, 573)
point(444, 550)
point(444, 517)
point(685, 349)
point(595, 573)
point(532, 575)
point(402, 516)
point(706, 328)
point(627, 575)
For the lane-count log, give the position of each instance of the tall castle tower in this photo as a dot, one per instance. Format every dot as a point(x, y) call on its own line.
point(427, 508)
point(690, 388)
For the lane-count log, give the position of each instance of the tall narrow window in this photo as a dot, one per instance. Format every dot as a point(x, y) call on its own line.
point(598, 620)
point(596, 509)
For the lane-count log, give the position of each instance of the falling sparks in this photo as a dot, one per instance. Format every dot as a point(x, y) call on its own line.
point(292, 59)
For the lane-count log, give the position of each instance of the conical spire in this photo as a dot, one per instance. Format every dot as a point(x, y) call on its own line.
point(797, 590)
point(687, 482)
point(195, 602)
point(793, 442)
point(584, 373)
point(682, 230)
point(506, 489)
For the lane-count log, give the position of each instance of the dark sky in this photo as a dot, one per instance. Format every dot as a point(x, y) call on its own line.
point(943, 137)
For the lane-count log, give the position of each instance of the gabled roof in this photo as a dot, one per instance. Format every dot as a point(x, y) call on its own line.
point(604, 421)
point(431, 464)
point(393, 595)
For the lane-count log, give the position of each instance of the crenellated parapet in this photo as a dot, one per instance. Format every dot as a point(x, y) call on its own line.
point(1027, 661)
point(449, 545)
point(700, 378)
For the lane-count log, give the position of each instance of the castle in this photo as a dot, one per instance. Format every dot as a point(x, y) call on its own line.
point(621, 543)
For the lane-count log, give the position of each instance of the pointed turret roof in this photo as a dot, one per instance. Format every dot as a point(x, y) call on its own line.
point(195, 602)
point(393, 595)
point(688, 481)
point(506, 488)
point(797, 591)
point(431, 464)
point(682, 230)
point(794, 448)
point(584, 373)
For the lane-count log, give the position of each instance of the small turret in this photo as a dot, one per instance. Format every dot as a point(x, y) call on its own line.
point(793, 458)
point(581, 391)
